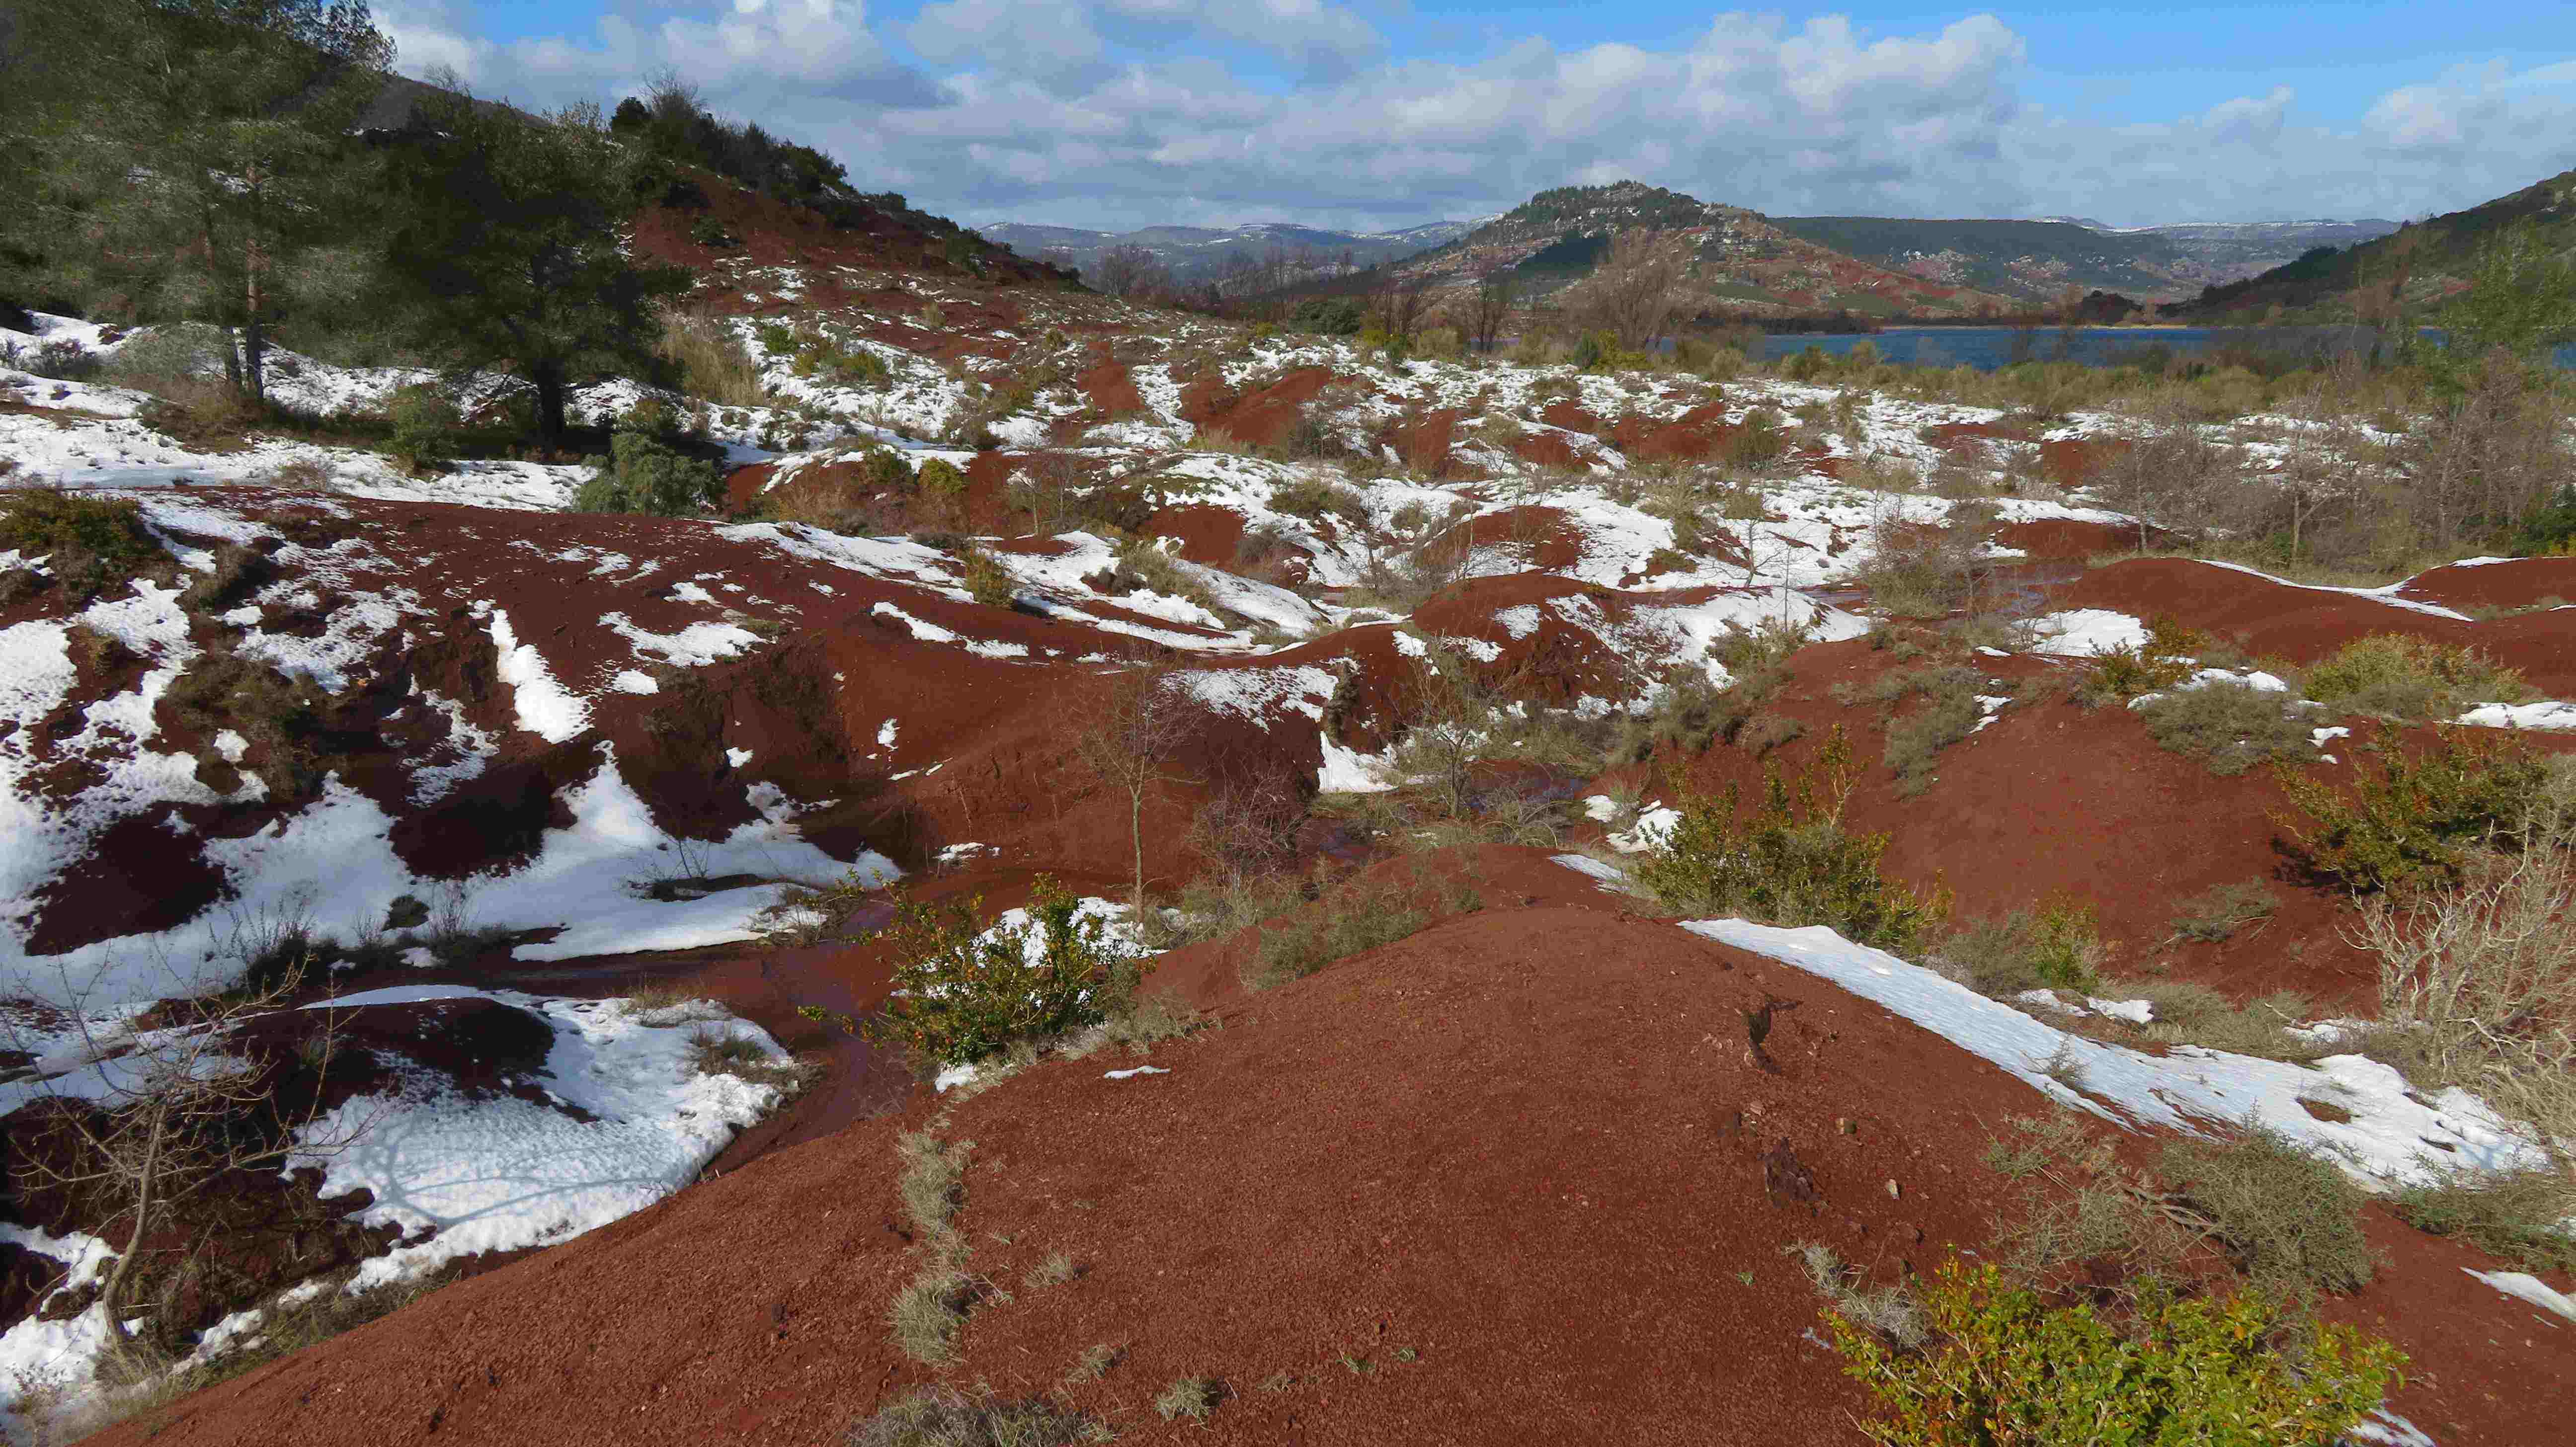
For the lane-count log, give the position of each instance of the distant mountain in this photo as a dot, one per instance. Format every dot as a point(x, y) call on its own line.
point(2037, 258)
point(1746, 262)
point(2436, 258)
point(1264, 256)
point(2031, 260)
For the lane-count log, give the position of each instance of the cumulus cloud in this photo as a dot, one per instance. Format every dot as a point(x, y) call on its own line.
point(1124, 112)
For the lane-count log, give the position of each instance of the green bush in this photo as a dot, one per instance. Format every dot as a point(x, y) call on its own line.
point(2417, 819)
point(2392, 675)
point(939, 479)
point(2550, 530)
point(91, 543)
point(2058, 947)
point(709, 232)
point(1791, 863)
point(2232, 726)
point(819, 357)
point(1331, 316)
point(1359, 916)
point(2218, 912)
point(648, 477)
point(2162, 661)
point(425, 427)
point(2010, 1371)
point(987, 581)
point(959, 998)
point(1951, 713)
point(886, 470)
point(1316, 498)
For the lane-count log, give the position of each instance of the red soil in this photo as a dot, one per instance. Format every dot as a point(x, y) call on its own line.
point(1424, 441)
point(2066, 538)
point(2305, 624)
point(1573, 418)
point(1208, 534)
point(1113, 395)
point(1514, 1165)
point(2071, 461)
point(1262, 417)
point(2520, 583)
point(2054, 799)
point(1694, 436)
point(1547, 449)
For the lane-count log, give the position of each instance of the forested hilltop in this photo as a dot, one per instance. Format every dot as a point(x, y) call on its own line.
point(252, 166)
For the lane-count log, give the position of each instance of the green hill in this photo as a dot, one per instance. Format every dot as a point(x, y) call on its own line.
point(2433, 259)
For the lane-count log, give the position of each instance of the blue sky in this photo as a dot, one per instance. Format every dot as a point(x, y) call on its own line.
point(1368, 113)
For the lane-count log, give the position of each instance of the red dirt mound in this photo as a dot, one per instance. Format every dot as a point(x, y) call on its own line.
point(2054, 799)
point(1113, 394)
point(1547, 449)
point(1527, 1176)
point(1371, 1163)
point(1694, 436)
point(2302, 624)
point(1208, 534)
point(1262, 417)
point(2067, 538)
point(2072, 461)
point(2518, 583)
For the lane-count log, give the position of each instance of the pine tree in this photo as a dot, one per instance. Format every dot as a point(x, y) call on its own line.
point(503, 250)
point(194, 155)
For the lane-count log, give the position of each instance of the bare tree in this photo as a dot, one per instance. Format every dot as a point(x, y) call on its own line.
point(1040, 485)
point(1489, 310)
point(145, 1117)
point(1402, 303)
point(1637, 288)
point(1239, 273)
point(1127, 738)
point(1129, 270)
point(2070, 311)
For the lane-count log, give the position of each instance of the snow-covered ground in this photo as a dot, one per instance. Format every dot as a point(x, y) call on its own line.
point(630, 1120)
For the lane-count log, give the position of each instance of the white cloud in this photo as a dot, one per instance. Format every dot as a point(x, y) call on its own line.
point(1044, 110)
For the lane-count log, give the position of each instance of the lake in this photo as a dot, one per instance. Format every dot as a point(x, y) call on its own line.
point(1986, 348)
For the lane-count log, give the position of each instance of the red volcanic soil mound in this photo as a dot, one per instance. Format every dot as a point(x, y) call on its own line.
point(1444, 1157)
point(770, 232)
point(1547, 449)
point(1112, 392)
point(2067, 538)
point(2071, 461)
point(2514, 583)
point(1208, 534)
point(1526, 1176)
point(2303, 624)
point(2054, 799)
point(1262, 417)
point(1692, 437)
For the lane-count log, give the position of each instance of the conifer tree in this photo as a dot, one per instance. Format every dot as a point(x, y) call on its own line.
point(504, 246)
point(194, 156)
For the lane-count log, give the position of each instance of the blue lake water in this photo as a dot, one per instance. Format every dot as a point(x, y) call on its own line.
point(1986, 348)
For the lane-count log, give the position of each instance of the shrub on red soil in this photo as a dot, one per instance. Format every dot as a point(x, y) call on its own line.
point(2013, 1372)
point(94, 543)
point(2419, 679)
point(2417, 820)
point(1791, 863)
point(960, 998)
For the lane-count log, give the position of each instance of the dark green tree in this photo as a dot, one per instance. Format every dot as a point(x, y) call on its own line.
point(193, 156)
point(503, 248)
